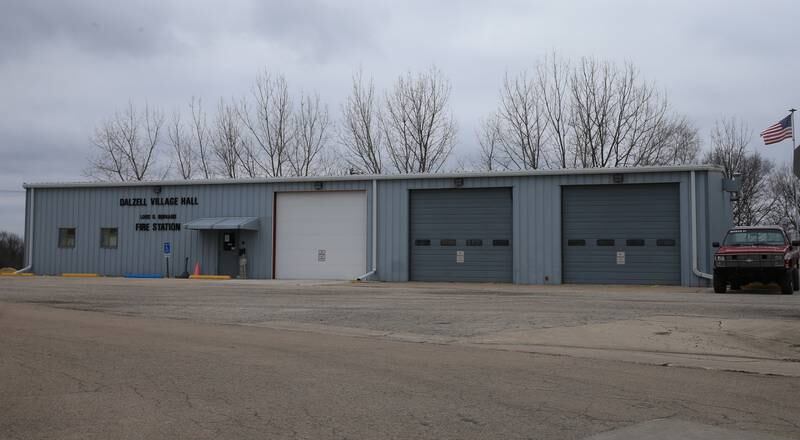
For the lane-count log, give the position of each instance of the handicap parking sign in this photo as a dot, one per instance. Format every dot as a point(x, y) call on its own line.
point(167, 248)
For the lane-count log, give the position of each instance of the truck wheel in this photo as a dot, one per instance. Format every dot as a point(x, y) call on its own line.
point(720, 286)
point(786, 283)
point(796, 279)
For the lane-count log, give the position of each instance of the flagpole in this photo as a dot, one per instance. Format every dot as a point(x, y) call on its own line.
point(795, 152)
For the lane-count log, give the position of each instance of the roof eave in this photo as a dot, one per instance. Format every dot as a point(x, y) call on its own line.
point(367, 177)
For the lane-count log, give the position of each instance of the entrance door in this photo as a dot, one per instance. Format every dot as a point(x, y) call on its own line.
point(228, 260)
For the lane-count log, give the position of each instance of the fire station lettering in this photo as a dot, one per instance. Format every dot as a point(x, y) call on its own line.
point(166, 226)
point(158, 227)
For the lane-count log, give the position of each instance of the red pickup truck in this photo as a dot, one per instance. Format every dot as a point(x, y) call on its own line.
point(761, 254)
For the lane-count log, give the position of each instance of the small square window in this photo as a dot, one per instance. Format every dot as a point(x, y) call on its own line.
point(66, 238)
point(576, 242)
point(501, 242)
point(475, 242)
point(422, 242)
point(665, 242)
point(108, 238)
point(605, 242)
point(634, 242)
point(447, 242)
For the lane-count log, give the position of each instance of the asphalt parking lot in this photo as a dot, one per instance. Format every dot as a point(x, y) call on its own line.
point(118, 358)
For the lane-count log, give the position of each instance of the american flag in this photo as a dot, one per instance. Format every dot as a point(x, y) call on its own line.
point(778, 132)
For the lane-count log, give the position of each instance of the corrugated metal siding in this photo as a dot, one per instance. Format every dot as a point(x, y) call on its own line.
point(536, 223)
point(537, 220)
point(27, 231)
point(89, 209)
point(483, 214)
point(718, 219)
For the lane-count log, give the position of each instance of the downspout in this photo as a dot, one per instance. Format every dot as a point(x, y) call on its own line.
point(693, 208)
point(374, 233)
point(29, 238)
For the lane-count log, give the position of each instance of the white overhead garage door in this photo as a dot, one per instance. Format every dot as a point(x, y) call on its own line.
point(320, 235)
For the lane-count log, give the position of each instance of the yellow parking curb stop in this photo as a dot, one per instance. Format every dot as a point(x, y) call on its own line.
point(210, 277)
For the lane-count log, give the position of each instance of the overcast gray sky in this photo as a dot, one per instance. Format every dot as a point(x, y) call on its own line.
point(65, 65)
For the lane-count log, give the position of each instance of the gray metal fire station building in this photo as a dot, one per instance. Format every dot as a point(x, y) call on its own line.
point(618, 226)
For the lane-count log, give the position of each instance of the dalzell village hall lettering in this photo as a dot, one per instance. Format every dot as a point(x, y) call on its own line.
point(158, 201)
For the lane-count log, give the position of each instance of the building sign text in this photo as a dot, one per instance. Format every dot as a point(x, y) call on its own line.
point(158, 201)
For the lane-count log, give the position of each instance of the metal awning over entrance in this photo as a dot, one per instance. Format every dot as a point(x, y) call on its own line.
point(227, 223)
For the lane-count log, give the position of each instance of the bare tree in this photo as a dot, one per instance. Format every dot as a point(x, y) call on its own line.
point(621, 120)
point(417, 124)
point(126, 145)
point(489, 136)
point(311, 127)
point(12, 250)
point(227, 140)
point(755, 201)
point(181, 144)
point(589, 114)
point(270, 122)
point(552, 79)
point(785, 196)
point(675, 142)
point(247, 157)
point(729, 141)
point(617, 117)
point(518, 127)
point(682, 145)
point(200, 138)
point(360, 134)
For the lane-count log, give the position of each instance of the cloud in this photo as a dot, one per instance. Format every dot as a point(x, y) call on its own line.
point(142, 29)
point(65, 66)
point(101, 28)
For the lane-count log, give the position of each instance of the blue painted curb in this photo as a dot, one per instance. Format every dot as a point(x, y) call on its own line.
point(143, 275)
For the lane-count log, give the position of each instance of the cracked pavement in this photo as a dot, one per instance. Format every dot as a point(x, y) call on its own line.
point(114, 358)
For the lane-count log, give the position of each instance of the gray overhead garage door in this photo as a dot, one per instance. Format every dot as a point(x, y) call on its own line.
point(621, 234)
point(461, 235)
